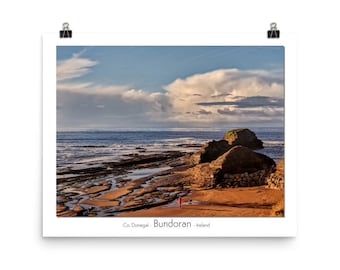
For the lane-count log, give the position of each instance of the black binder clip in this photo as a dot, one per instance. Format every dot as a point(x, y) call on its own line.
point(66, 32)
point(273, 32)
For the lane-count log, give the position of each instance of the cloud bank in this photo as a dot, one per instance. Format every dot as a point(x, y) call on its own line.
point(219, 97)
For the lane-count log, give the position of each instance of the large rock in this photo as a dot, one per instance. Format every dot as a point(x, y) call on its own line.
point(212, 150)
point(239, 165)
point(242, 167)
point(240, 159)
point(244, 137)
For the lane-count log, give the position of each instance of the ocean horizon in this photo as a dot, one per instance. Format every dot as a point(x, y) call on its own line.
point(184, 129)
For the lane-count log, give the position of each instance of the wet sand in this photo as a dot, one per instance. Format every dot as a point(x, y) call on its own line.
point(236, 202)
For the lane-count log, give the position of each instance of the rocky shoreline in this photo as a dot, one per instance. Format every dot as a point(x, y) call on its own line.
point(142, 182)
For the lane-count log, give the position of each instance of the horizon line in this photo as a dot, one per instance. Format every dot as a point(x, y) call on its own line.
point(164, 129)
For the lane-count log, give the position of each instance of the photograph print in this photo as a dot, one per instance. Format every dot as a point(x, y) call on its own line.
point(170, 131)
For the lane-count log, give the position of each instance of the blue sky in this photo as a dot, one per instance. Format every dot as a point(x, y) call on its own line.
point(109, 87)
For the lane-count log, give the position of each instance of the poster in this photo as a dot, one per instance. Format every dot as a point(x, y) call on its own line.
point(169, 135)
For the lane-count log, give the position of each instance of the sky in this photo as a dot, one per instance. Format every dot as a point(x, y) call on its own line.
point(169, 87)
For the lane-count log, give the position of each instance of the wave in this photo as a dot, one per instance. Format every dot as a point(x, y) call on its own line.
point(273, 143)
point(178, 139)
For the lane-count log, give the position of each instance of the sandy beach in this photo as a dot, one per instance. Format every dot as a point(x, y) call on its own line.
point(245, 202)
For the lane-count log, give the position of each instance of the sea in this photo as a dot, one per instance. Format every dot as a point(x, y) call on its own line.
point(83, 149)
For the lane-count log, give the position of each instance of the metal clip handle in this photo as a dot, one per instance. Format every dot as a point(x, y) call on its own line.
point(273, 26)
point(66, 26)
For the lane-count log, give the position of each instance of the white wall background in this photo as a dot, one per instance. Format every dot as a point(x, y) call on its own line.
point(22, 24)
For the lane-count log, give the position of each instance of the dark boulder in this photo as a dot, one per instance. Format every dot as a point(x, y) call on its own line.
point(212, 150)
point(240, 159)
point(244, 137)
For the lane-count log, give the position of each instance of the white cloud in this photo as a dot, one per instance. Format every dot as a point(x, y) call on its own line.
point(73, 86)
point(74, 67)
point(220, 86)
point(107, 90)
point(133, 95)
